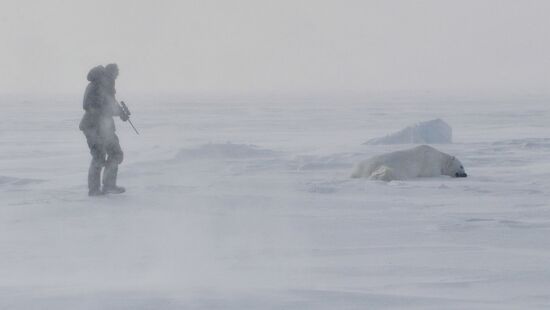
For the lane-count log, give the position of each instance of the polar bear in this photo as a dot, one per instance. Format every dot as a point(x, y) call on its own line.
point(420, 161)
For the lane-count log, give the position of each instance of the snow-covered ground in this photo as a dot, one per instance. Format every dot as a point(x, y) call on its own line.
point(248, 204)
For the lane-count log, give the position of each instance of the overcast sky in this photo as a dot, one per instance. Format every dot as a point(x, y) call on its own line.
point(277, 46)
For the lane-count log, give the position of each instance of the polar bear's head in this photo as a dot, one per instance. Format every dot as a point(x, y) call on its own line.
point(455, 168)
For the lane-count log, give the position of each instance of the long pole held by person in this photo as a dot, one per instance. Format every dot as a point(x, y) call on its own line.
point(126, 111)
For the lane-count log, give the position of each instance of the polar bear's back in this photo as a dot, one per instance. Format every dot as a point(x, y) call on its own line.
point(420, 161)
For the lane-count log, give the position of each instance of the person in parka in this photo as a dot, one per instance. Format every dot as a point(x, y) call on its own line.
point(98, 126)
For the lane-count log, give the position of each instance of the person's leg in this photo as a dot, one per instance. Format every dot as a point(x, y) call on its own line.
point(94, 178)
point(110, 174)
point(114, 158)
point(97, 163)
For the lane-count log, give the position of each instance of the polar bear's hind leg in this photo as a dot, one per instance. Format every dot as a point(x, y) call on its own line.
point(383, 173)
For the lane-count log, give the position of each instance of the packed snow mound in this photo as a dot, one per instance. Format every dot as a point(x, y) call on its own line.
point(334, 161)
point(224, 150)
point(433, 131)
point(420, 161)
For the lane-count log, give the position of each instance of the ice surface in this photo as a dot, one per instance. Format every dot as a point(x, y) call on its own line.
point(434, 131)
point(272, 220)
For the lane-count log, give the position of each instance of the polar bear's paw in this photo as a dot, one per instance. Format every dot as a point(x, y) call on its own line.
point(383, 173)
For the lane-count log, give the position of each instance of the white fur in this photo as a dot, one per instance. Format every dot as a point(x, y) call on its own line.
point(421, 161)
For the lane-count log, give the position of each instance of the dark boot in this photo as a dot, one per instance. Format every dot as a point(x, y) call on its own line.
point(113, 189)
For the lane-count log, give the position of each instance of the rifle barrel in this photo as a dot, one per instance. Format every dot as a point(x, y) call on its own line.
point(126, 111)
point(129, 121)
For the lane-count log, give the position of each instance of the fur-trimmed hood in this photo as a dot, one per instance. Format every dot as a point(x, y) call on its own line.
point(96, 73)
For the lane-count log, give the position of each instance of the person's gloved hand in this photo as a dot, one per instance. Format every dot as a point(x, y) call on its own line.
point(124, 117)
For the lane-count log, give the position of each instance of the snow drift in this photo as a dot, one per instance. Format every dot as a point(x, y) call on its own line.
point(223, 150)
point(6, 180)
point(433, 131)
point(526, 143)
